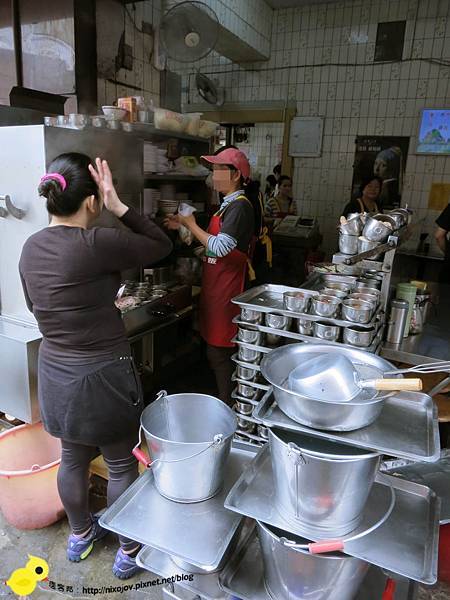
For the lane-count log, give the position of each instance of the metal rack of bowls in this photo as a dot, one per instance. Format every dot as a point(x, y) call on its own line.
point(360, 232)
point(343, 310)
point(324, 511)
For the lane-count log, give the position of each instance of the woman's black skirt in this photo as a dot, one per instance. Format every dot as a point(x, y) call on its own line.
point(96, 403)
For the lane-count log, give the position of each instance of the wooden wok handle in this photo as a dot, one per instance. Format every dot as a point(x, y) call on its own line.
point(398, 385)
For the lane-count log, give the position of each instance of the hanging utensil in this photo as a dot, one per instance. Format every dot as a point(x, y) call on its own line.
point(440, 366)
point(328, 376)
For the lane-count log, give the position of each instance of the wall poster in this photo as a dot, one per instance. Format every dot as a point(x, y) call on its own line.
point(383, 157)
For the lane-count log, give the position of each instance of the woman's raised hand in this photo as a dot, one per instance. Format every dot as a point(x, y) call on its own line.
point(103, 178)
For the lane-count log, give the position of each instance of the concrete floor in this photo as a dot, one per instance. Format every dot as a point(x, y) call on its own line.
point(95, 571)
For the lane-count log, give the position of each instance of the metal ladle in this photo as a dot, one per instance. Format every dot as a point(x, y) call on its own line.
point(327, 377)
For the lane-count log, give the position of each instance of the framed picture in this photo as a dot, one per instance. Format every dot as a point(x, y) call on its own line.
point(383, 157)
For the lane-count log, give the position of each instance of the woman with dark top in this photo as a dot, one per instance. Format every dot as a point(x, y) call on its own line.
point(367, 199)
point(228, 242)
point(89, 390)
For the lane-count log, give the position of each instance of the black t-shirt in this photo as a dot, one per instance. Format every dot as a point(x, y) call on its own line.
point(443, 221)
point(238, 221)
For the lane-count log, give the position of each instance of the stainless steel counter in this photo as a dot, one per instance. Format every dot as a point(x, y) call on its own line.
point(434, 342)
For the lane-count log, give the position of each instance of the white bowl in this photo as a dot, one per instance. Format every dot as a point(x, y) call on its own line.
point(114, 113)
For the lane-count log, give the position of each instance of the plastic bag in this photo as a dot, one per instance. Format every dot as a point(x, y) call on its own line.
point(186, 210)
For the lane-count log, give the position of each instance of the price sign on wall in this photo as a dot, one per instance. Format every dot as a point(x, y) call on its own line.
point(306, 136)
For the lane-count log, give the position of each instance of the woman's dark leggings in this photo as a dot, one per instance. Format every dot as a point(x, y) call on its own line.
point(73, 480)
point(220, 362)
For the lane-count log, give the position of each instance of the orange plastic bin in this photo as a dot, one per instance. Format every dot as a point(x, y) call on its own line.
point(29, 461)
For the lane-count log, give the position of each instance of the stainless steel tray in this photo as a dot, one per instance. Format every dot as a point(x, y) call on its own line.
point(253, 384)
point(235, 358)
point(264, 349)
point(198, 533)
point(207, 586)
point(254, 401)
point(405, 428)
point(406, 543)
point(299, 337)
point(268, 298)
point(243, 577)
point(436, 476)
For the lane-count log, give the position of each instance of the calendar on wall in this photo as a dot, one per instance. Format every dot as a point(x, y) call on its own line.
point(306, 136)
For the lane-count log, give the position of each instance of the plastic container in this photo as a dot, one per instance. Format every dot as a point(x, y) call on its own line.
point(407, 291)
point(207, 129)
point(29, 461)
point(193, 123)
point(170, 121)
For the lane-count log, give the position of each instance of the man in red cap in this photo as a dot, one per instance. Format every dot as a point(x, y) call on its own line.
point(227, 242)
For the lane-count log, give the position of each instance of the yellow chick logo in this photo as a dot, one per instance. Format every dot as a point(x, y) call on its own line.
point(23, 581)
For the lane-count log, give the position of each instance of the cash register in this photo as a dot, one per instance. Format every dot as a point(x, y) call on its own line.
point(297, 231)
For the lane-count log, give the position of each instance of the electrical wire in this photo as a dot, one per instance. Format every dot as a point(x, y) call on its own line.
point(436, 61)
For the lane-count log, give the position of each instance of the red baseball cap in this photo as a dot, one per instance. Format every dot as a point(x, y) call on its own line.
point(231, 157)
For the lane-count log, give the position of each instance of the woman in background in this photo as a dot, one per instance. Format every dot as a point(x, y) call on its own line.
point(367, 199)
point(88, 386)
point(281, 204)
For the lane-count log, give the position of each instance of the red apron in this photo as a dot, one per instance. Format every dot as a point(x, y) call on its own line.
point(223, 278)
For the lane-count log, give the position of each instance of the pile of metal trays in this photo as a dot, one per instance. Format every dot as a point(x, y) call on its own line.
point(268, 299)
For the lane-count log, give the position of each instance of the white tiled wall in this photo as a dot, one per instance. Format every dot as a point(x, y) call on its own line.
point(264, 143)
point(322, 57)
point(144, 79)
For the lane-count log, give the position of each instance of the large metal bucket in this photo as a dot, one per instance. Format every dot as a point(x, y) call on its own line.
point(292, 572)
point(189, 437)
point(321, 485)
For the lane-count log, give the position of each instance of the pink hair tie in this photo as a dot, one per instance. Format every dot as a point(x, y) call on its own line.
point(58, 177)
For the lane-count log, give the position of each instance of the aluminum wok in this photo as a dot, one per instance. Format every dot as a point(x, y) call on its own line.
point(332, 416)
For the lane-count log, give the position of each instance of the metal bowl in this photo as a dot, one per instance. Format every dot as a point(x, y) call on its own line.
point(357, 311)
point(369, 282)
point(325, 306)
point(296, 301)
point(367, 290)
point(250, 336)
point(278, 321)
point(336, 293)
point(353, 226)
point(249, 355)
point(324, 331)
point(245, 391)
point(348, 244)
point(337, 285)
point(399, 217)
point(251, 316)
point(376, 230)
point(332, 416)
point(244, 408)
point(370, 298)
point(245, 373)
point(358, 336)
point(364, 245)
point(305, 326)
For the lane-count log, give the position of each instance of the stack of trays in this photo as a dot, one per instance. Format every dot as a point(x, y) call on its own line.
point(323, 510)
point(346, 312)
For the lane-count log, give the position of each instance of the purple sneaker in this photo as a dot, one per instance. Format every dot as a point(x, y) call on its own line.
point(124, 565)
point(79, 548)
